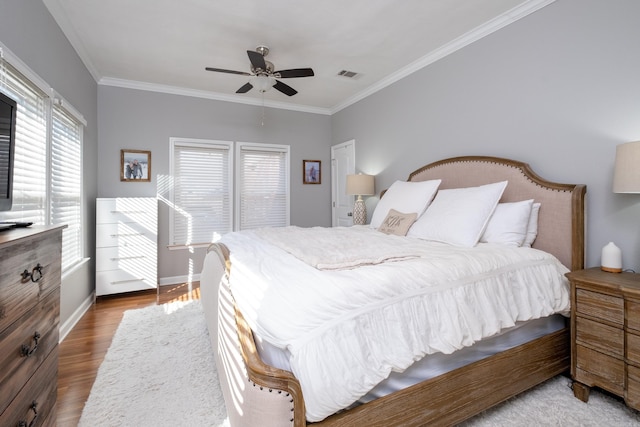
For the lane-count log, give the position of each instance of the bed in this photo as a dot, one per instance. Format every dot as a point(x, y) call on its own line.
point(257, 393)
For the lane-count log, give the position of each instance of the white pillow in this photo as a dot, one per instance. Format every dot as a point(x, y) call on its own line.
point(508, 224)
point(532, 227)
point(458, 216)
point(405, 196)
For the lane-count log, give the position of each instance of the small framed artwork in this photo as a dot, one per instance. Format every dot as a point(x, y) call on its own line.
point(311, 173)
point(135, 165)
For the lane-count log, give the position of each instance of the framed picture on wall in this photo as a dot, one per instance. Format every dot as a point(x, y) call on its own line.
point(135, 166)
point(311, 173)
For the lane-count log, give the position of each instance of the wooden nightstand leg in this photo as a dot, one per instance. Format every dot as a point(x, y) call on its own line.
point(581, 391)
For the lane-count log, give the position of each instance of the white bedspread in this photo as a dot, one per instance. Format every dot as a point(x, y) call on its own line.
point(337, 248)
point(346, 330)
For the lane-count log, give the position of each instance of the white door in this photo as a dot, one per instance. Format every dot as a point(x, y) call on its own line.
point(343, 163)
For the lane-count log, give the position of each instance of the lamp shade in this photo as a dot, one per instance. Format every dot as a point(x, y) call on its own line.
point(360, 185)
point(263, 83)
point(626, 177)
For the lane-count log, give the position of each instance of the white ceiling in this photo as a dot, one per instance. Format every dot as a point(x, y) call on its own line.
point(165, 45)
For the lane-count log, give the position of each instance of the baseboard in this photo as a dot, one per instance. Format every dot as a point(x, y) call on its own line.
point(75, 317)
point(175, 280)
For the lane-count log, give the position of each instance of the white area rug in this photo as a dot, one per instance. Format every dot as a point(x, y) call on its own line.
point(160, 371)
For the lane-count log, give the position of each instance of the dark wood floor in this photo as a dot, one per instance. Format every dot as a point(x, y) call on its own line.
point(84, 348)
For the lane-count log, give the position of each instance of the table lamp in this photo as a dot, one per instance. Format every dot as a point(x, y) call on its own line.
point(626, 175)
point(626, 179)
point(360, 185)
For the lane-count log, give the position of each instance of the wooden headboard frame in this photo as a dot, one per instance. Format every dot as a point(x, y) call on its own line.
point(561, 222)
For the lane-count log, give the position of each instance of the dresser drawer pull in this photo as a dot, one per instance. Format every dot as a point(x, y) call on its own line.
point(120, 282)
point(127, 234)
point(34, 275)
point(128, 212)
point(127, 257)
point(25, 351)
point(34, 408)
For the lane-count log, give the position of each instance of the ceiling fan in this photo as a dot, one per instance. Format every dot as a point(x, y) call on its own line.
point(263, 74)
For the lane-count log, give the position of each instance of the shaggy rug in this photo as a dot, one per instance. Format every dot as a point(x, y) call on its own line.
point(160, 371)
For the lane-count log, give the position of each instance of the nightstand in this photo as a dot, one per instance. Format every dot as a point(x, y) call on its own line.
point(605, 333)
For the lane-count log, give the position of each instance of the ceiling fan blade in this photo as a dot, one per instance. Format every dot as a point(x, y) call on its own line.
point(221, 70)
point(257, 60)
point(286, 89)
point(295, 72)
point(246, 88)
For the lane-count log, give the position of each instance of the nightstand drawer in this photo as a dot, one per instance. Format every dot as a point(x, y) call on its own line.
point(598, 369)
point(633, 387)
point(606, 339)
point(633, 315)
point(600, 306)
point(633, 348)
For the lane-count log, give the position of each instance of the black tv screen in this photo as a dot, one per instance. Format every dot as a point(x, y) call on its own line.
point(8, 108)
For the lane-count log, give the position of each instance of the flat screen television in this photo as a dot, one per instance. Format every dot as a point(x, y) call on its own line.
point(8, 109)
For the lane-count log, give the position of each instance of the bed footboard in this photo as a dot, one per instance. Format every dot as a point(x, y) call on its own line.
point(255, 394)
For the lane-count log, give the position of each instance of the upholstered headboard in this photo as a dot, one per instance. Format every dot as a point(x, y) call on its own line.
point(561, 219)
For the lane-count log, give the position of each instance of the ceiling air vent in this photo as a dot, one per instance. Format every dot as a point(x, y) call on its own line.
point(348, 74)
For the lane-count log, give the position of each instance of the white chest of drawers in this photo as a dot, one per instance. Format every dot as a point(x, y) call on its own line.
point(126, 244)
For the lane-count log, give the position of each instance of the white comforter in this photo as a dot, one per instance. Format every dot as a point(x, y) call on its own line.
point(346, 330)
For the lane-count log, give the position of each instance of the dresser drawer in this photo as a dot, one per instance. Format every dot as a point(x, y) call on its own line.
point(141, 210)
point(116, 281)
point(18, 295)
point(606, 339)
point(600, 306)
point(41, 389)
point(135, 237)
point(19, 355)
point(598, 369)
point(123, 258)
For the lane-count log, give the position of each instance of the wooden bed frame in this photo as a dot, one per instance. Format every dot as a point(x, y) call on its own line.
point(258, 394)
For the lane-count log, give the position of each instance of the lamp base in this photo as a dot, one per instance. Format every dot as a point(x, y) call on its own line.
point(359, 212)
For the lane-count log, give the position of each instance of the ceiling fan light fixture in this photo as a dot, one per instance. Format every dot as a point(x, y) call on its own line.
point(263, 83)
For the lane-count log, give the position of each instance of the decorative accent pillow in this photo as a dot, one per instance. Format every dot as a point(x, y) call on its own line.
point(508, 224)
point(532, 227)
point(405, 196)
point(397, 222)
point(459, 216)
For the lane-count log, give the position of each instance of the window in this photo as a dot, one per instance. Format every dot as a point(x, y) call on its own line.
point(202, 195)
point(47, 187)
point(201, 191)
point(262, 186)
point(66, 182)
point(30, 163)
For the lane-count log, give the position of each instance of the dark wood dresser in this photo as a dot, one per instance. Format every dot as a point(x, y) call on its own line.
point(29, 316)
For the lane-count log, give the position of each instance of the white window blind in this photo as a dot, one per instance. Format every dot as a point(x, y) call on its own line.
point(201, 193)
point(30, 167)
point(66, 182)
point(262, 186)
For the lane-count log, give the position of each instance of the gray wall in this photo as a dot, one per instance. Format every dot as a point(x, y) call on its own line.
point(558, 89)
point(135, 119)
point(31, 33)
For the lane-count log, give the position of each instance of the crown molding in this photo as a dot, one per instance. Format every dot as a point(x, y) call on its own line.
point(174, 90)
